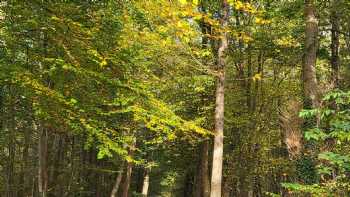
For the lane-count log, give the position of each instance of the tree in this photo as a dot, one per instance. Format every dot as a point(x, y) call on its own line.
point(216, 179)
point(309, 61)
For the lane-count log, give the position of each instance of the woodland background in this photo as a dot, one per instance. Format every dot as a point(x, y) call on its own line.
point(153, 97)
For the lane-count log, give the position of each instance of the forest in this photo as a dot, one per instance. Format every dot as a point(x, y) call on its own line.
point(175, 98)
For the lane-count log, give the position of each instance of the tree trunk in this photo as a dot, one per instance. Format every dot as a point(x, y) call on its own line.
point(117, 181)
point(25, 180)
point(127, 180)
point(145, 184)
point(335, 61)
point(42, 151)
point(202, 187)
point(11, 146)
point(11, 163)
point(309, 61)
point(197, 192)
point(216, 179)
point(205, 184)
point(188, 183)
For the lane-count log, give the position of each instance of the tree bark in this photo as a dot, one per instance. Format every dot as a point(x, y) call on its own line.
point(129, 166)
point(188, 183)
point(309, 61)
point(117, 181)
point(335, 61)
point(10, 123)
point(42, 174)
point(145, 184)
point(11, 162)
point(202, 187)
point(203, 183)
point(216, 179)
point(25, 180)
point(127, 180)
point(205, 169)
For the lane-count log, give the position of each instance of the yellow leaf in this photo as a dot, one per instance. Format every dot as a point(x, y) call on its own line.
point(183, 2)
point(257, 77)
point(103, 63)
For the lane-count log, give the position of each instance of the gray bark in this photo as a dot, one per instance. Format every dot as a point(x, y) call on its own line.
point(42, 173)
point(145, 184)
point(216, 179)
point(117, 182)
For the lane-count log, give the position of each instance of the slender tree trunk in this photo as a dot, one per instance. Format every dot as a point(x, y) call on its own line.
point(11, 163)
point(145, 184)
point(90, 174)
point(205, 169)
point(129, 166)
point(203, 183)
point(197, 192)
point(309, 61)
point(42, 174)
point(54, 180)
point(188, 183)
point(216, 179)
point(25, 167)
point(202, 187)
point(335, 61)
point(11, 146)
point(43, 135)
point(127, 180)
point(117, 181)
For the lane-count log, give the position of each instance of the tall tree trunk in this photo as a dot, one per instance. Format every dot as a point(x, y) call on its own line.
point(203, 183)
point(309, 61)
point(54, 178)
point(11, 146)
point(216, 179)
point(202, 187)
point(127, 180)
point(197, 192)
point(117, 181)
point(25, 180)
point(11, 163)
point(145, 184)
point(335, 61)
point(309, 83)
point(129, 166)
point(43, 136)
point(43, 174)
point(205, 169)
point(188, 183)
